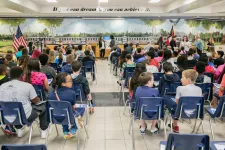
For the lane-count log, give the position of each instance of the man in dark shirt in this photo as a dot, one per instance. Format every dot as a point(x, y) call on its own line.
point(173, 43)
point(87, 57)
point(129, 48)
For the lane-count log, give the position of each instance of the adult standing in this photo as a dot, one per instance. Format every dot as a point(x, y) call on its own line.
point(112, 42)
point(101, 43)
point(198, 44)
point(160, 42)
point(185, 44)
point(210, 43)
point(173, 43)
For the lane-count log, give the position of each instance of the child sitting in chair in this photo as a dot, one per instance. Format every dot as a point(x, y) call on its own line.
point(145, 90)
point(188, 89)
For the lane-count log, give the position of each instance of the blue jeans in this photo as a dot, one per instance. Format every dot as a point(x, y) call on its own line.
point(170, 104)
point(77, 112)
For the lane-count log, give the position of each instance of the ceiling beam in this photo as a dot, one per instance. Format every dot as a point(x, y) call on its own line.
point(181, 6)
point(23, 6)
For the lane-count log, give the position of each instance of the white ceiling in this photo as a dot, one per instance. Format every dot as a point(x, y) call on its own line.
point(111, 3)
point(165, 8)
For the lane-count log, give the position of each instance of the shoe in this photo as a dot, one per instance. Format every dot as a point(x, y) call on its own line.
point(20, 132)
point(73, 132)
point(66, 135)
point(119, 83)
point(10, 130)
point(142, 131)
point(154, 131)
point(175, 128)
point(44, 133)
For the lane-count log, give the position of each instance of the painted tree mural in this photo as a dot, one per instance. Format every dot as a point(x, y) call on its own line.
point(193, 24)
point(12, 23)
point(153, 23)
point(51, 24)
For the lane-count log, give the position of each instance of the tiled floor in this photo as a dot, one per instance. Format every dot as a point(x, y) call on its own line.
point(108, 126)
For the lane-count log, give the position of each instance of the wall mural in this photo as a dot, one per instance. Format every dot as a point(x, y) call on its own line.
point(69, 27)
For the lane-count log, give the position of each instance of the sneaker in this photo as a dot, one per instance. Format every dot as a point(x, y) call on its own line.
point(66, 135)
point(44, 133)
point(142, 131)
point(10, 130)
point(154, 131)
point(73, 132)
point(175, 128)
point(20, 132)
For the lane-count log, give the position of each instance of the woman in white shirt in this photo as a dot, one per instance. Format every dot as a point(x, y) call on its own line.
point(185, 43)
point(101, 44)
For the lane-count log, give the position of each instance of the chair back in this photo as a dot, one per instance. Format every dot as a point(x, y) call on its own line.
point(190, 107)
point(54, 65)
point(220, 110)
point(179, 73)
point(24, 147)
point(78, 88)
point(49, 75)
point(60, 112)
point(82, 72)
point(88, 66)
point(150, 108)
point(12, 113)
point(128, 76)
point(187, 142)
point(128, 70)
point(169, 88)
point(158, 76)
point(40, 92)
point(206, 90)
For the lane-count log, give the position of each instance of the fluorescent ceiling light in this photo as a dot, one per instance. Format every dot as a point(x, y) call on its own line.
point(103, 1)
point(52, 1)
point(154, 1)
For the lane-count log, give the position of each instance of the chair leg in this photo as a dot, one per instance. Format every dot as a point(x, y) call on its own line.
point(86, 132)
point(171, 125)
point(131, 123)
point(56, 130)
point(164, 124)
point(133, 140)
point(194, 126)
point(125, 106)
point(202, 127)
point(210, 123)
point(48, 132)
point(31, 130)
point(78, 139)
point(123, 95)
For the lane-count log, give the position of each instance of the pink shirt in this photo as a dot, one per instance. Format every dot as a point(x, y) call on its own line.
point(37, 78)
point(158, 59)
point(219, 70)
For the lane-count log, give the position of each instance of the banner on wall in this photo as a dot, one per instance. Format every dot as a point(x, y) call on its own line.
point(101, 9)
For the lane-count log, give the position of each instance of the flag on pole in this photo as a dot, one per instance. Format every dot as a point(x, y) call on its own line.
point(172, 33)
point(19, 39)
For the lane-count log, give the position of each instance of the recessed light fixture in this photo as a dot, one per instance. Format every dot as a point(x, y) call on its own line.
point(103, 1)
point(154, 1)
point(52, 1)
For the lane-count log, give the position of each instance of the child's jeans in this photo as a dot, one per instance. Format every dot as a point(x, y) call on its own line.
point(79, 111)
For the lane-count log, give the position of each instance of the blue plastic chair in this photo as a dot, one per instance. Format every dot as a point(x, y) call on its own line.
point(60, 112)
point(23, 147)
point(14, 111)
point(82, 72)
point(148, 108)
point(214, 113)
point(64, 63)
point(214, 143)
point(169, 88)
point(40, 92)
point(190, 107)
point(186, 142)
point(179, 73)
point(54, 65)
point(128, 73)
point(206, 91)
point(89, 66)
point(157, 77)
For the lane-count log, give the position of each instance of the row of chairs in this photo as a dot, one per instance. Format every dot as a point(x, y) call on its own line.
point(152, 108)
point(58, 112)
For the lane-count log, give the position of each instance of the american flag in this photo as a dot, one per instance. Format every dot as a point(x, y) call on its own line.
point(19, 39)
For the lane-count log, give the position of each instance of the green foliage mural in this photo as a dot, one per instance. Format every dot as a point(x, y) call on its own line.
point(51, 24)
point(153, 23)
point(12, 23)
